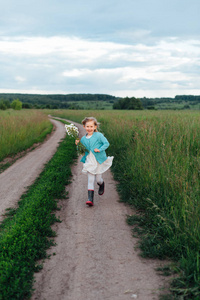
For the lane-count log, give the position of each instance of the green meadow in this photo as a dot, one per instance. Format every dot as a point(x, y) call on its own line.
point(157, 165)
point(19, 130)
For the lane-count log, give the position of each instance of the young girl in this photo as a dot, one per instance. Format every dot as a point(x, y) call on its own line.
point(95, 161)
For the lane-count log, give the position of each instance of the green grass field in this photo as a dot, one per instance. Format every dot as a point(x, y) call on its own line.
point(19, 130)
point(157, 165)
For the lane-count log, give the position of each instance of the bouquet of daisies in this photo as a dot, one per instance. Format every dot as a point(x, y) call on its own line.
point(72, 130)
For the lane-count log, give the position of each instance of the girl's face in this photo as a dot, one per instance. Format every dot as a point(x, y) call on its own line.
point(90, 127)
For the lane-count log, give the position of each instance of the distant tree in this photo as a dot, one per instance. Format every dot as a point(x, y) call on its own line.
point(2, 105)
point(7, 103)
point(128, 103)
point(36, 106)
point(150, 107)
point(16, 104)
point(74, 106)
point(26, 105)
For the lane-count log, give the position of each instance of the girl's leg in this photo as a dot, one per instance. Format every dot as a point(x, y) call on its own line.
point(91, 180)
point(99, 178)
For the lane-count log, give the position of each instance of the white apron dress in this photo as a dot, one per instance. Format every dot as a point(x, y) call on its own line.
point(92, 166)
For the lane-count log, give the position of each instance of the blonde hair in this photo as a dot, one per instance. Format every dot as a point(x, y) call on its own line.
point(88, 119)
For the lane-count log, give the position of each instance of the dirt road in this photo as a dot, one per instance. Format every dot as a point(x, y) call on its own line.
point(94, 258)
point(14, 180)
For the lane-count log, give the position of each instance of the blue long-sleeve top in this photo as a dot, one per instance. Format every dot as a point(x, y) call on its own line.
point(98, 141)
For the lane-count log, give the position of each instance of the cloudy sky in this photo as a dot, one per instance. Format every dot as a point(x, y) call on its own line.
point(145, 48)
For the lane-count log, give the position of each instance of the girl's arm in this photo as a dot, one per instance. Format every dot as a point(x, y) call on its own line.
point(104, 142)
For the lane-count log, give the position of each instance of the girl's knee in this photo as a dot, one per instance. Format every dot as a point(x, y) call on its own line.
point(99, 179)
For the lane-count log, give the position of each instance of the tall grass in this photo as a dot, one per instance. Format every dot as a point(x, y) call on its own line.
point(21, 129)
point(157, 163)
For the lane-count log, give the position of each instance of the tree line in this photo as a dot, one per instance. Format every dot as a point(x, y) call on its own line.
point(150, 103)
point(57, 101)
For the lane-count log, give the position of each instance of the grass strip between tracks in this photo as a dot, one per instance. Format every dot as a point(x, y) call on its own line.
point(26, 234)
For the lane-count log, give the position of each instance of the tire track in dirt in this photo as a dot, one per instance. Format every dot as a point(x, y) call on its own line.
point(95, 257)
point(15, 180)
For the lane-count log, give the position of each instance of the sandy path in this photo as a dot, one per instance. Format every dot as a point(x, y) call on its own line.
point(94, 258)
point(14, 180)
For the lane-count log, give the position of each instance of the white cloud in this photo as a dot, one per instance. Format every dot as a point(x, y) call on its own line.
point(72, 64)
point(20, 79)
point(71, 47)
point(94, 72)
point(75, 72)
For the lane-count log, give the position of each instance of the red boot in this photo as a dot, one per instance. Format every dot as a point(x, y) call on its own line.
point(90, 198)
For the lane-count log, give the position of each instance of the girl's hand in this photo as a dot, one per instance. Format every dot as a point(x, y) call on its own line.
point(76, 142)
point(96, 150)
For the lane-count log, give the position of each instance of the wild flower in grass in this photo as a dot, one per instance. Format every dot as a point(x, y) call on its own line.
point(72, 130)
